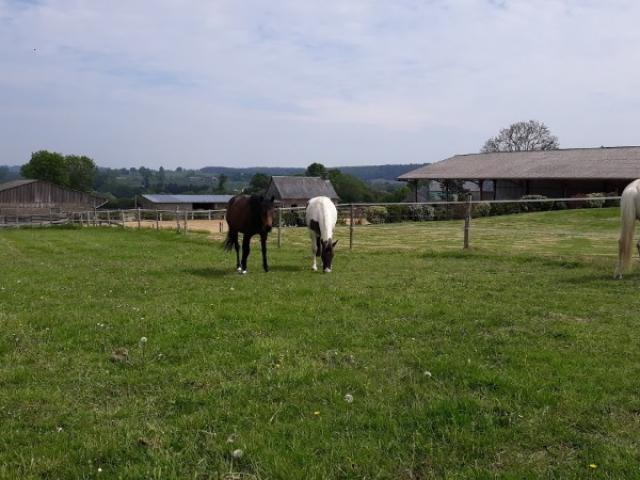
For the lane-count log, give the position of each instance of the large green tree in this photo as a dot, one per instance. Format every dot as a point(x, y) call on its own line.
point(45, 165)
point(73, 171)
point(259, 183)
point(316, 170)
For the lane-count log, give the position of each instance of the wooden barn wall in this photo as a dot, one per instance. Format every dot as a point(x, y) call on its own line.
point(46, 195)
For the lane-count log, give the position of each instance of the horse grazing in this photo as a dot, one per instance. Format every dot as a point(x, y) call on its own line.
point(249, 215)
point(629, 213)
point(321, 219)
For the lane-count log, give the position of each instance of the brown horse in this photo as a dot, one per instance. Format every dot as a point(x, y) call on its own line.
point(249, 215)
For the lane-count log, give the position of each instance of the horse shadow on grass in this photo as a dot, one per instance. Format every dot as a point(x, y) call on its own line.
point(217, 272)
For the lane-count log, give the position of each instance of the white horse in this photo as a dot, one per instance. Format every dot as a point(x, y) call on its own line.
point(321, 219)
point(629, 213)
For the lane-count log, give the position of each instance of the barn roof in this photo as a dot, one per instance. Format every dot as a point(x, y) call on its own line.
point(572, 163)
point(302, 187)
point(187, 198)
point(15, 183)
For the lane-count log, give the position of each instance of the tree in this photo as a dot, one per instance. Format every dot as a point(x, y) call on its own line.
point(81, 172)
point(316, 170)
point(522, 136)
point(162, 178)
point(49, 166)
point(4, 173)
point(259, 183)
point(222, 183)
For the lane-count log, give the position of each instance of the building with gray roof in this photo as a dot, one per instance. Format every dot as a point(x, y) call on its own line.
point(297, 191)
point(553, 173)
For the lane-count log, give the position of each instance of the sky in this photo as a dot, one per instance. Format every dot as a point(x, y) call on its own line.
point(291, 82)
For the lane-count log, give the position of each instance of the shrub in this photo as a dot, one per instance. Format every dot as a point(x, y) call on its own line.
point(596, 202)
point(535, 206)
point(504, 208)
point(612, 203)
point(292, 218)
point(376, 214)
point(397, 213)
point(421, 213)
point(481, 209)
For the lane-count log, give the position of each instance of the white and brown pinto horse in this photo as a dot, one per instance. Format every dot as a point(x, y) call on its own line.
point(629, 213)
point(321, 219)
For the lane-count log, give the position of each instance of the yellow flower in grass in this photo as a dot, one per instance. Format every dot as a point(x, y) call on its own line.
point(316, 413)
point(593, 465)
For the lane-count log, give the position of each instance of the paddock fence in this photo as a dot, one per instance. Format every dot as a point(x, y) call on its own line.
point(352, 217)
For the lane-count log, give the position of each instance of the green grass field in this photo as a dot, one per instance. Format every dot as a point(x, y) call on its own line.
point(517, 359)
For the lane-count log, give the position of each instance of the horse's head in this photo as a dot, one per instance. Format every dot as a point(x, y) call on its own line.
point(267, 207)
point(328, 251)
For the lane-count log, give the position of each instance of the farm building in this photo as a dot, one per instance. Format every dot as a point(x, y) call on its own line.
point(553, 173)
point(39, 196)
point(184, 202)
point(296, 191)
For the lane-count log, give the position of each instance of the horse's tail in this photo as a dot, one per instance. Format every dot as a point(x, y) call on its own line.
point(628, 217)
point(230, 241)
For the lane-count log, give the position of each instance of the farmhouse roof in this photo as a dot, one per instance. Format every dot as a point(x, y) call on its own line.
point(302, 187)
point(571, 163)
point(187, 198)
point(15, 183)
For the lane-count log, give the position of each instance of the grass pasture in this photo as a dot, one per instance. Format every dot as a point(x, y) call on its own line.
point(517, 359)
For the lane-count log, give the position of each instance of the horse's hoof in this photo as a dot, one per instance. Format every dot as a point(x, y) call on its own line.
point(239, 269)
point(327, 270)
point(315, 269)
point(243, 272)
point(617, 276)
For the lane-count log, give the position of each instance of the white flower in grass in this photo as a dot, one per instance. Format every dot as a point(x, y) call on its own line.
point(348, 398)
point(237, 453)
point(99, 470)
point(143, 340)
point(427, 374)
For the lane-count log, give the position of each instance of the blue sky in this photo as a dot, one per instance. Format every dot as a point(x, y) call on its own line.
point(287, 83)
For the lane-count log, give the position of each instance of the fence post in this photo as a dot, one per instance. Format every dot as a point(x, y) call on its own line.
point(122, 217)
point(139, 225)
point(351, 226)
point(186, 226)
point(279, 226)
point(177, 220)
point(209, 215)
point(467, 222)
point(109, 217)
point(157, 220)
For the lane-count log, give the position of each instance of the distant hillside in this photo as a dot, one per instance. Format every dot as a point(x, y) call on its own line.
point(367, 173)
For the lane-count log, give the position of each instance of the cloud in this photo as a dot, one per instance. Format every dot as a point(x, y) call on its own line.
point(192, 83)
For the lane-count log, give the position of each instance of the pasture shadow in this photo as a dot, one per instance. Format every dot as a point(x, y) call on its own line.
point(285, 268)
point(210, 272)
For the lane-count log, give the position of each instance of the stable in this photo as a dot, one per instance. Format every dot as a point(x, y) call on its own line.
point(184, 202)
point(39, 196)
point(553, 173)
point(297, 191)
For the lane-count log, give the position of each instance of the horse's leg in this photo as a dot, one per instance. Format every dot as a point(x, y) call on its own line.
point(236, 244)
point(246, 248)
point(263, 244)
point(314, 249)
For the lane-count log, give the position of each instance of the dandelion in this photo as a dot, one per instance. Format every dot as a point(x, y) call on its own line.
point(593, 465)
point(143, 340)
point(59, 429)
point(99, 470)
point(348, 398)
point(316, 413)
point(237, 453)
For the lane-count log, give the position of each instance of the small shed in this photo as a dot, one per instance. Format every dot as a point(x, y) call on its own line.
point(553, 173)
point(297, 191)
point(39, 196)
point(184, 202)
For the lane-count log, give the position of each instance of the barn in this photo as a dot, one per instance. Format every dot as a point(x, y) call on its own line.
point(39, 196)
point(184, 202)
point(296, 191)
point(553, 173)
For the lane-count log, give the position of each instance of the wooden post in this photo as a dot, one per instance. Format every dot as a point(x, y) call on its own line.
point(467, 222)
point(50, 217)
point(139, 225)
point(109, 217)
point(157, 220)
point(95, 216)
point(209, 215)
point(177, 220)
point(279, 226)
point(122, 217)
point(186, 226)
point(351, 221)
